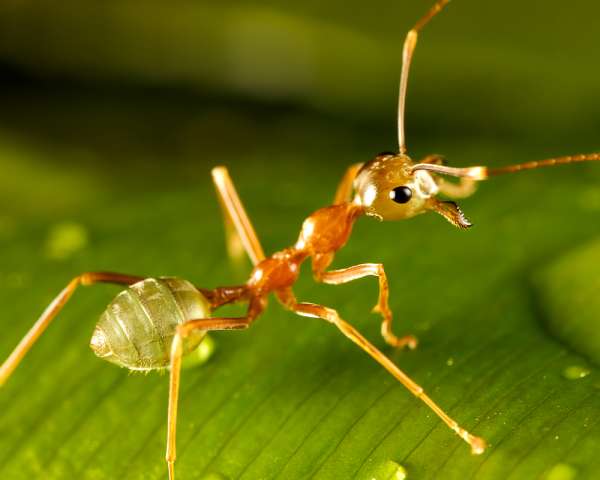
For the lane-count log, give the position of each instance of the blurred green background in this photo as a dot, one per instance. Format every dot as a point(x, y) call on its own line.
point(164, 91)
point(111, 116)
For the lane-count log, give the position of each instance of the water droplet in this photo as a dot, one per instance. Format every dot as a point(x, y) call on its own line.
point(575, 371)
point(561, 471)
point(65, 239)
point(401, 473)
point(450, 362)
point(388, 470)
point(201, 355)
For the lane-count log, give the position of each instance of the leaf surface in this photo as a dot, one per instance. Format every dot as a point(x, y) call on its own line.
point(291, 398)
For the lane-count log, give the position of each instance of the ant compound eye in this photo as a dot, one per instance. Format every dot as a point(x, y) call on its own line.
point(401, 194)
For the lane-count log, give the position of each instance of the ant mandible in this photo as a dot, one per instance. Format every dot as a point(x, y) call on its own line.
point(156, 321)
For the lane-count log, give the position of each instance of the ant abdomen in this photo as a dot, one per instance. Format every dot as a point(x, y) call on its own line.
point(136, 329)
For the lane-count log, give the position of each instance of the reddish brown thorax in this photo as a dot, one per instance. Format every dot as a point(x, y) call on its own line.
point(276, 272)
point(328, 229)
point(323, 232)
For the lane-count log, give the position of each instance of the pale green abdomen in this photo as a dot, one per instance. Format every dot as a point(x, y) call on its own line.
point(136, 329)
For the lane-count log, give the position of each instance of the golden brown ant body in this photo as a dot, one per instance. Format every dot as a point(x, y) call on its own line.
point(156, 321)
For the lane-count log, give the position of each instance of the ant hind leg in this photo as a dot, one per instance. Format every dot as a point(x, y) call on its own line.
point(255, 308)
point(477, 444)
point(53, 309)
point(239, 232)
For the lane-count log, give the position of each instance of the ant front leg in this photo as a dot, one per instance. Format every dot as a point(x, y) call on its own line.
point(239, 231)
point(344, 190)
point(256, 306)
point(465, 187)
point(345, 275)
point(477, 444)
point(53, 309)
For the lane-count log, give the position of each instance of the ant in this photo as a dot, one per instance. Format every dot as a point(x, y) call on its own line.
point(154, 322)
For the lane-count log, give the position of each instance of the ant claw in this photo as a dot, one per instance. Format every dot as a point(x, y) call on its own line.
point(407, 341)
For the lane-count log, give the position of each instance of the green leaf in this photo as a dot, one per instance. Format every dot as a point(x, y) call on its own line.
point(115, 176)
point(291, 398)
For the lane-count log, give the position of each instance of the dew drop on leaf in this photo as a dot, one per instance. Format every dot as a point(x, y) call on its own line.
point(575, 372)
point(388, 470)
point(561, 471)
point(400, 473)
point(201, 354)
point(65, 239)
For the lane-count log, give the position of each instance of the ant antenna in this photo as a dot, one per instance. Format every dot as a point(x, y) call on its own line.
point(481, 173)
point(410, 44)
point(550, 162)
point(475, 173)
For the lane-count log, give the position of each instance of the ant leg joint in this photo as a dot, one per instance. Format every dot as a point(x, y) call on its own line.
point(177, 342)
point(411, 39)
point(180, 331)
point(85, 279)
point(332, 316)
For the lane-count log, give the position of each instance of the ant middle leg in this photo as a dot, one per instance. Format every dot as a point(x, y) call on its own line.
point(239, 232)
point(89, 278)
point(255, 308)
point(345, 275)
point(477, 444)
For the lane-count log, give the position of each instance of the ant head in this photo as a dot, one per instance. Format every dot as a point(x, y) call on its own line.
point(390, 189)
